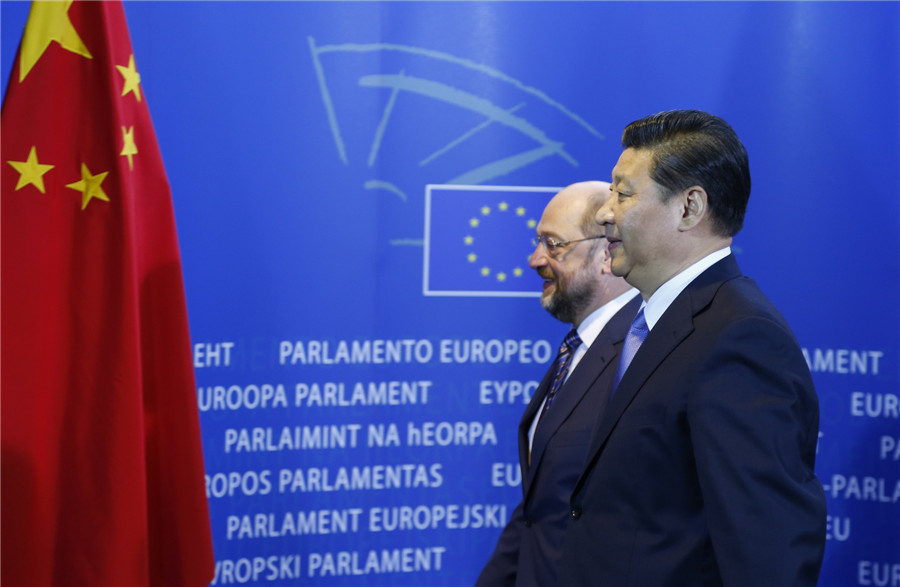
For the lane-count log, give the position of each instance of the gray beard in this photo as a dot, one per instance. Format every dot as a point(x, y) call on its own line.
point(565, 306)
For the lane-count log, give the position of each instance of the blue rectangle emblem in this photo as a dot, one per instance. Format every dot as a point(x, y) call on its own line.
point(477, 239)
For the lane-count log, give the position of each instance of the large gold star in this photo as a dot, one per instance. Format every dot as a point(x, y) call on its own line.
point(130, 149)
point(132, 78)
point(48, 22)
point(30, 171)
point(90, 186)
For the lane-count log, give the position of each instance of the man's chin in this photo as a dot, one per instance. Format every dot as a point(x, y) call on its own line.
point(550, 302)
point(618, 269)
point(554, 308)
point(547, 302)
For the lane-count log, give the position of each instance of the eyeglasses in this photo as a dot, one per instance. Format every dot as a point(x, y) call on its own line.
point(554, 245)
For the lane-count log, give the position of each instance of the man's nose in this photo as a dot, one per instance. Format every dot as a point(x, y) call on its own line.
point(604, 215)
point(538, 257)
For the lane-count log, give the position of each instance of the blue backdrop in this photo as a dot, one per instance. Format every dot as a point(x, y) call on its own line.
point(355, 187)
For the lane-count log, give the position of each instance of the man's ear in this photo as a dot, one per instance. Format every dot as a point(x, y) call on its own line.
point(694, 207)
point(606, 262)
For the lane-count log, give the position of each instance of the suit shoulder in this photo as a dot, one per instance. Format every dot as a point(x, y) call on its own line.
point(744, 299)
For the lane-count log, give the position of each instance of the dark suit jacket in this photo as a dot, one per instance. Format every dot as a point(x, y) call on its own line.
point(529, 548)
point(701, 469)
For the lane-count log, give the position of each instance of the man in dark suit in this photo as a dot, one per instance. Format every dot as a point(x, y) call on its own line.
point(700, 471)
point(580, 289)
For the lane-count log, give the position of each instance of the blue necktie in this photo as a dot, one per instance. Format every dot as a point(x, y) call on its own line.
point(561, 364)
point(636, 335)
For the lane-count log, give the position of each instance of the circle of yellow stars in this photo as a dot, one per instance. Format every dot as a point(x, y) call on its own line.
point(49, 23)
point(470, 240)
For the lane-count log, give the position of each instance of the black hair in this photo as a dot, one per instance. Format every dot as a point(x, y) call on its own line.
point(691, 147)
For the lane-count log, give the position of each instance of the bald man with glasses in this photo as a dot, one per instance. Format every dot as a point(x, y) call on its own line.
point(579, 289)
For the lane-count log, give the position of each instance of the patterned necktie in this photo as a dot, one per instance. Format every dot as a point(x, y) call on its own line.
point(636, 335)
point(561, 365)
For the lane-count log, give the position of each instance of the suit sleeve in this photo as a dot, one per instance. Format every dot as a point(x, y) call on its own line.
point(500, 570)
point(753, 419)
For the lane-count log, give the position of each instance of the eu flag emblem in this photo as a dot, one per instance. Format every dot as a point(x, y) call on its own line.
point(478, 239)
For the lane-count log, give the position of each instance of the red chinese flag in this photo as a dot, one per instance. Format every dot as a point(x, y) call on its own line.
point(102, 465)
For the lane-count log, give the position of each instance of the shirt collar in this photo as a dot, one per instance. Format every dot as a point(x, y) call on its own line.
point(663, 297)
point(591, 326)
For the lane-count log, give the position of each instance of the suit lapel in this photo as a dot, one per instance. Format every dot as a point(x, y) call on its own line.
point(676, 324)
point(595, 362)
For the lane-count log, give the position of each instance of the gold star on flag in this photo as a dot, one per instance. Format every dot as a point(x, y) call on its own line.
point(501, 276)
point(485, 210)
point(473, 222)
point(485, 271)
point(132, 78)
point(503, 206)
point(90, 186)
point(518, 272)
point(468, 240)
point(31, 172)
point(130, 149)
point(48, 22)
point(520, 211)
point(472, 257)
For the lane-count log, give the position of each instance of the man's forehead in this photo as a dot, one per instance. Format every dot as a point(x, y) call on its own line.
point(630, 166)
point(561, 217)
point(562, 213)
point(621, 176)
